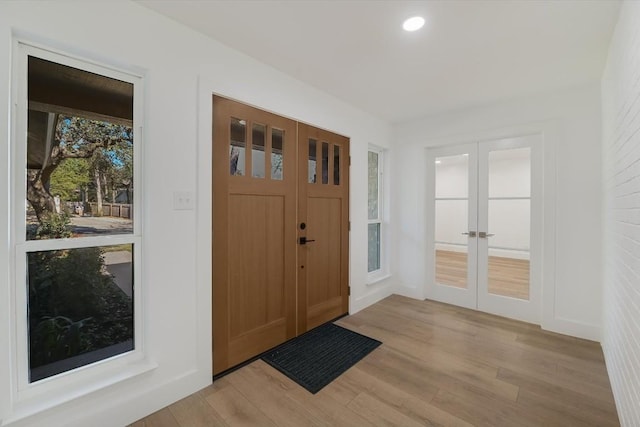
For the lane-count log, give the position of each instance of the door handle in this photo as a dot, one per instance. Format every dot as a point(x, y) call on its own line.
point(303, 240)
point(470, 234)
point(484, 234)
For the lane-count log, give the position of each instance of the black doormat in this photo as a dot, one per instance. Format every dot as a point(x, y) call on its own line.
point(319, 356)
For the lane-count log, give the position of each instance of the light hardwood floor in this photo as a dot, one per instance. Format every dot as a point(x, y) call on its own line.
point(507, 276)
point(439, 365)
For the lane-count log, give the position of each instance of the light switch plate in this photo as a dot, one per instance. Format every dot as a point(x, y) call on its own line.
point(183, 200)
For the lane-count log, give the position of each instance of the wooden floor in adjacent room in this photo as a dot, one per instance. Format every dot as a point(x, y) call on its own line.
point(506, 276)
point(439, 365)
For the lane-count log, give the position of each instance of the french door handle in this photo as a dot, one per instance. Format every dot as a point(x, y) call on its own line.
point(303, 240)
point(484, 234)
point(470, 234)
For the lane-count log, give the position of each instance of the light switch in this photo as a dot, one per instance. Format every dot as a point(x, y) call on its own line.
point(183, 200)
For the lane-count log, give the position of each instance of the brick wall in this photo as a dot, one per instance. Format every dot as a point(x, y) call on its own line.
point(621, 180)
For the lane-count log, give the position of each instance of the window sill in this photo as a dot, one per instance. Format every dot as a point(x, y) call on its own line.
point(376, 278)
point(27, 407)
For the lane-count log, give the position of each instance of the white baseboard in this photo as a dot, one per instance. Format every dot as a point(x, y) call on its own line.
point(118, 408)
point(573, 328)
point(410, 292)
point(378, 291)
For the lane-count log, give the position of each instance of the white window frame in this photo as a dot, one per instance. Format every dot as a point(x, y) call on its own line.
point(27, 398)
point(383, 272)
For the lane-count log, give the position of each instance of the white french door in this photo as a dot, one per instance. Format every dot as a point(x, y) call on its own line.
point(484, 233)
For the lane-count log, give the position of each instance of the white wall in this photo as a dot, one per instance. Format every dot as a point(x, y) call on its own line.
point(569, 122)
point(621, 211)
point(181, 70)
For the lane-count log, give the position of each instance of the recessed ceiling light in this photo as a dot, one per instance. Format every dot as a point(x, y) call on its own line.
point(413, 24)
point(438, 162)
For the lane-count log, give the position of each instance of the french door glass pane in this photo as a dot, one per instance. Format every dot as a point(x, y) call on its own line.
point(80, 307)
point(451, 220)
point(509, 221)
point(452, 177)
point(450, 244)
point(510, 173)
point(374, 247)
point(509, 211)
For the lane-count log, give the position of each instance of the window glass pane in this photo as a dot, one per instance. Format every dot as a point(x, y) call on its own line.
point(277, 154)
point(336, 165)
point(312, 161)
point(79, 175)
point(257, 151)
point(237, 146)
point(325, 163)
point(80, 307)
point(373, 185)
point(374, 247)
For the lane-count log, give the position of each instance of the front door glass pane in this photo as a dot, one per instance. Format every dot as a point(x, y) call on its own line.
point(312, 161)
point(277, 154)
point(258, 137)
point(509, 222)
point(336, 165)
point(451, 220)
point(325, 163)
point(237, 146)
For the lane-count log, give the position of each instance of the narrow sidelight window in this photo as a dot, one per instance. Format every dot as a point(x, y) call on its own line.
point(375, 210)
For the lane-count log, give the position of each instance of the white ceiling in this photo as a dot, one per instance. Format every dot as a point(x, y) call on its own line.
point(470, 52)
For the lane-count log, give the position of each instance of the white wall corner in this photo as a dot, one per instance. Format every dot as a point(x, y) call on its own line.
point(376, 292)
point(573, 328)
point(415, 292)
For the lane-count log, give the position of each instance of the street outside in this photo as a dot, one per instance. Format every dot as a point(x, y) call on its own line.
point(117, 263)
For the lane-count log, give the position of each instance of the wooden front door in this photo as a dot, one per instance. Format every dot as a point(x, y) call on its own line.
point(323, 209)
point(254, 226)
point(268, 284)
